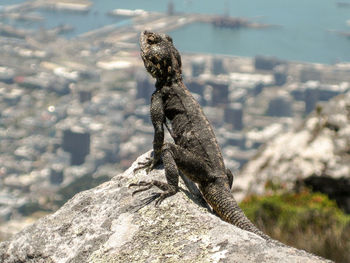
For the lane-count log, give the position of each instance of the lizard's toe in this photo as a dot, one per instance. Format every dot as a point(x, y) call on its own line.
point(146, 186)
point(141, 183)
point(147, 201)
point(142, 165)
point(163, 196)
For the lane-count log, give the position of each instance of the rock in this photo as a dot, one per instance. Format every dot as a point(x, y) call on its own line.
point(102, 225)
point(316, 154)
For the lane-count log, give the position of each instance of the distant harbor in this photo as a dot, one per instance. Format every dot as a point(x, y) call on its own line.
point(73, 6)
point(237, 23)
point(22, 17)
point(183, 19)
point(274, 29)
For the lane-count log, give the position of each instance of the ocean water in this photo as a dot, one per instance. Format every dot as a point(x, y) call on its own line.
point(305, 29)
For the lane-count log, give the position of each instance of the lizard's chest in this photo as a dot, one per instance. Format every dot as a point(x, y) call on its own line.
point(173, 103)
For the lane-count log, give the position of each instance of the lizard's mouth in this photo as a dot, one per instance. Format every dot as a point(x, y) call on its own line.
point(145, 46)
point(143, 41)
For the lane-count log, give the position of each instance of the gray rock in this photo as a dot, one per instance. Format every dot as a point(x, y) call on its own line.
point(101, 225)
point(317, 154)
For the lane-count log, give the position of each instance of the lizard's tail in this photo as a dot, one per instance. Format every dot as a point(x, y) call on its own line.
point(224, 204)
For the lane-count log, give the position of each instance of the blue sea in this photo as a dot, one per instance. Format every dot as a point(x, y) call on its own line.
point(306, 28)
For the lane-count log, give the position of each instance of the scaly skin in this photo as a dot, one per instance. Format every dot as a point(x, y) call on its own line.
point(195, 152)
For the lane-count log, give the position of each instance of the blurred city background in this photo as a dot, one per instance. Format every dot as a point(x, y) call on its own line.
point(272, 76)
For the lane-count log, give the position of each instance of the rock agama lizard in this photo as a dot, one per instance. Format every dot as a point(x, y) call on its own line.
point(195, 152)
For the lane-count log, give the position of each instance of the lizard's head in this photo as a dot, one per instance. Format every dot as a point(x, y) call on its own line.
point(161, 58)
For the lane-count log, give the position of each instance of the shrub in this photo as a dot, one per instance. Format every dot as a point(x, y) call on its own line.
point(305, 220)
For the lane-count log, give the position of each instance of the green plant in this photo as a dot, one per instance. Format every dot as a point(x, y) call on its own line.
point(306, 220)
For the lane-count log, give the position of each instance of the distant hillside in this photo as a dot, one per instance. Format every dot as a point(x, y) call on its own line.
point(316, 154)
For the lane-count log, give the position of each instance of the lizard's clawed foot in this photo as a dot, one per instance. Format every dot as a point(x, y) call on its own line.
point(159, 197)
point(146, 185)
point(149, 164)
point(147, 201)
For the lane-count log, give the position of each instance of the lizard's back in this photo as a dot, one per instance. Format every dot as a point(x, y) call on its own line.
point(191, 128)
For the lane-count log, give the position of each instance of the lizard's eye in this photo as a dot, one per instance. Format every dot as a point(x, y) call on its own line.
point(151, 40)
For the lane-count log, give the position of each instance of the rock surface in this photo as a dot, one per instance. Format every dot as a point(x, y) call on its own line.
point(318, 153)
point(102, 225)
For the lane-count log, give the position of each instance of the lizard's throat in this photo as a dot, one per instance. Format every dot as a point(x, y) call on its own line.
point(168, 81)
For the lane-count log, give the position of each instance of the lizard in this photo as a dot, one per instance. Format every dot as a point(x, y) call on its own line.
point(195, 151)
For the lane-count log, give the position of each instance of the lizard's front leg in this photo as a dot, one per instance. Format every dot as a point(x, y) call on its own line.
point(174, 158)
point(158, 119)
point(170, 188)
